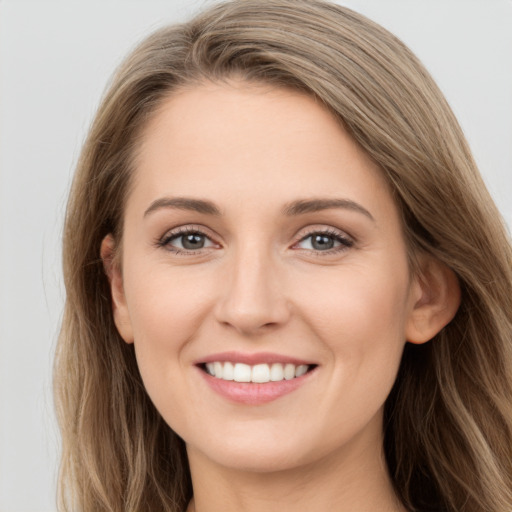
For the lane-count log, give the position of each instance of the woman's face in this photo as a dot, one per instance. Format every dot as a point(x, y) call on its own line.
point(260, 239)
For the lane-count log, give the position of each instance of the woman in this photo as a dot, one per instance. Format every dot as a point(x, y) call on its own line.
point(286, 282)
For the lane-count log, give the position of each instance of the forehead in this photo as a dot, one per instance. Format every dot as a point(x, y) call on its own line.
point(251, 142)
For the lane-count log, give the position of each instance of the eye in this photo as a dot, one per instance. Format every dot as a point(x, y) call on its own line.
point(186, 240)
point(325, 241)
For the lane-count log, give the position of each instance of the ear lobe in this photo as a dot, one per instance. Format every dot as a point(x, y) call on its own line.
point(436, 301)
point(113, 271)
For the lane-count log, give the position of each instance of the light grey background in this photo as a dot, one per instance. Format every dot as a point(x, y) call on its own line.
point(55, 59)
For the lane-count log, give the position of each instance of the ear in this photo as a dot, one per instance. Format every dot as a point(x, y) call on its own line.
point(436, 299)
point(115, 277)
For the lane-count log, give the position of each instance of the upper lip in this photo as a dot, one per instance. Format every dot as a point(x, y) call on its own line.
point(252, 358)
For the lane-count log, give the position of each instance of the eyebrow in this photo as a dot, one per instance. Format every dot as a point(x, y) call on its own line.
point(184, 203)
point(295, 208)
point(303, 206)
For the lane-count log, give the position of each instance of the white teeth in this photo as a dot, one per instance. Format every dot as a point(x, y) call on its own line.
point(217, 368)
point(260, 373)
point(242, 373)
point(300, 370)
point(228, 372)
point(276, 372)
point(289, 371)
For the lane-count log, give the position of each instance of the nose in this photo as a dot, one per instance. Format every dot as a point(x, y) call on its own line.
point(253, 299)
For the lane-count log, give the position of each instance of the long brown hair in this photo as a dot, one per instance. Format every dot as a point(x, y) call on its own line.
point(448, 419)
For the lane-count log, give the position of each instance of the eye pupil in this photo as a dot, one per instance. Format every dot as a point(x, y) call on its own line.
point(193, 241)
point(322, 242)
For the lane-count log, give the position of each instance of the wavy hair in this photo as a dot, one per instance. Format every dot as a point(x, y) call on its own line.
point(448, 419)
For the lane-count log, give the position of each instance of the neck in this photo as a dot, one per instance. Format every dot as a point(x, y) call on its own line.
point(343, 482)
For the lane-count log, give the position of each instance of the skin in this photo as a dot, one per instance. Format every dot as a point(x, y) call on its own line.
point(259, 285)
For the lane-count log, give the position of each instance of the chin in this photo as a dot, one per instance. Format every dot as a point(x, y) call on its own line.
point(262, 460)
point(259, 451)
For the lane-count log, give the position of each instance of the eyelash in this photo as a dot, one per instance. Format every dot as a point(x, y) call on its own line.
point(164, 242)
point(344, 241)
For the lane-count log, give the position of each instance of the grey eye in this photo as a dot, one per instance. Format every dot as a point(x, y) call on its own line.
point(319, 242)
point(190, 241)
point(322, 242)
point(193, 241)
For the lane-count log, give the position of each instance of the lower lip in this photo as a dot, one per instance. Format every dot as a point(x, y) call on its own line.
point(251, 393)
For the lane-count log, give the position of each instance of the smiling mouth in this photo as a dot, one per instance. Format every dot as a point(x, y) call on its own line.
point(258, 373)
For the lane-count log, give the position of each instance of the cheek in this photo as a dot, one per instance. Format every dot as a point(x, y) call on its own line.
point(356, 303)
point(360, 318)
point(166, 304)
point(167, 310)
